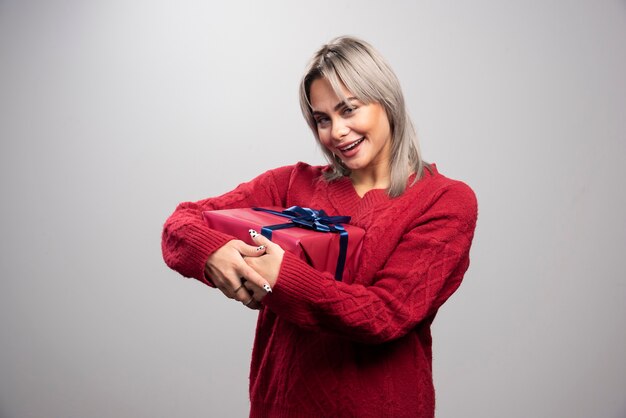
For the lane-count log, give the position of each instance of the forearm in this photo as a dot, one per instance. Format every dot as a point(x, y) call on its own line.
point(384, 311)
point(421, 271)
point(187, 241)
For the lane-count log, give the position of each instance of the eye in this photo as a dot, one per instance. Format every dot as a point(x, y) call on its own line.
point(322, 121)
point(348, 110)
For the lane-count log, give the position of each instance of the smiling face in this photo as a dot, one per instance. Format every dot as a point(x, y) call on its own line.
point(356, 132)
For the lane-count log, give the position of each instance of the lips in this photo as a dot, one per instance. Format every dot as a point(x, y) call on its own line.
point(351, 145)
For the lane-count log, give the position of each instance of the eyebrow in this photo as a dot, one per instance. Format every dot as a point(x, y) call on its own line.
point(338, 105)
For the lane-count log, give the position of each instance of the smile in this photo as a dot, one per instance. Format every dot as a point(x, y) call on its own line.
point(352, 145)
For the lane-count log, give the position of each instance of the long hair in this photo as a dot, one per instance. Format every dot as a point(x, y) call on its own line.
point(355, 64)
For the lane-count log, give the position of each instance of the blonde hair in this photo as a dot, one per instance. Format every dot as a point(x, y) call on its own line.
point(353, 63)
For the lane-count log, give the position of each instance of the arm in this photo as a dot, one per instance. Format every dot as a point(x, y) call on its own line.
point(423, 271)
point(187, 242)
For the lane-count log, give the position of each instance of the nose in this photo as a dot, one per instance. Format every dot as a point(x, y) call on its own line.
point(340, 129)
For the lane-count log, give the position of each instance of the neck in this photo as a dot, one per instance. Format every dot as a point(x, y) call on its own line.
point(376, 177)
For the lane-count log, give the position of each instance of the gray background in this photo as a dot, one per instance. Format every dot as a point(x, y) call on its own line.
point(112, 112)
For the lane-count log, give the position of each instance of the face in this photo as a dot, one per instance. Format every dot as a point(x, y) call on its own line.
point(358, 133)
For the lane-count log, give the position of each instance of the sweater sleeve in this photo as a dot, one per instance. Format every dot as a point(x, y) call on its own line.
point(187, 241)
point(426, 267)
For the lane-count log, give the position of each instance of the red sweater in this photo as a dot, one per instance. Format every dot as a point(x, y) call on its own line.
point(357, 348)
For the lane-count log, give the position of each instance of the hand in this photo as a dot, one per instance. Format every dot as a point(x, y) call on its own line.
point(228, 271)
point(267, 265)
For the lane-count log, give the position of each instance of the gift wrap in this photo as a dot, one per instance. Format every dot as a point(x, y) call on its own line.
point(327, 243)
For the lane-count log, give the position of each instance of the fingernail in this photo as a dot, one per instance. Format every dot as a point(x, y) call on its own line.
point(267, 288)
point(253, 233)
point(260, 248)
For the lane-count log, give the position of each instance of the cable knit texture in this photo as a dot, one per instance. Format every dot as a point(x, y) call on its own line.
point(357, 348)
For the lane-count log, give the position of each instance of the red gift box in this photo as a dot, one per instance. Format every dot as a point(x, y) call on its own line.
point(319, 249)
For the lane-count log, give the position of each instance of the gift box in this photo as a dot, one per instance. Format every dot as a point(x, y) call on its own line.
point(327, 243)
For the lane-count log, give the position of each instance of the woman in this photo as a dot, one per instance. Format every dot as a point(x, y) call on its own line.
point(360, 347)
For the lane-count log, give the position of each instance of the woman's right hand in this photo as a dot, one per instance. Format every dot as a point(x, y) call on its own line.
point(227, 270)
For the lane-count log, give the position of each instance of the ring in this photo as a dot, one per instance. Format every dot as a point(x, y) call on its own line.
point(239, 288)
point(248, 302)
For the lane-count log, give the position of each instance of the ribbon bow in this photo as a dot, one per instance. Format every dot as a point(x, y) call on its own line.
point(316, 220)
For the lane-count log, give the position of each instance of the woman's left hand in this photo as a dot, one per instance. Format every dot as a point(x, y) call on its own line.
point(267, 265)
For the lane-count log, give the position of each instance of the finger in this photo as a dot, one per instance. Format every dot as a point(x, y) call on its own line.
point(257, 293)
point(233, 288)
point(250, 250)
point(252, 304)
point(252, 276)
point(264, 243)
point(242, 295)
point(253, 289)
point(223, 286)
point(241, 287)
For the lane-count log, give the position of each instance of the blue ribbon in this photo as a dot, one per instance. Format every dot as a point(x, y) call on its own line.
point(316, 220)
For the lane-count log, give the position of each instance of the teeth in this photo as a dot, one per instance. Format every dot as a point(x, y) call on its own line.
point(354, 144)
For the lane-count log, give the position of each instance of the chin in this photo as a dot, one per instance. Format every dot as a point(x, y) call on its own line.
point(355, 168)
point(354, 165)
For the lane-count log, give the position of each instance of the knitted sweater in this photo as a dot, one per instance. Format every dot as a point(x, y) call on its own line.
point(357, 348)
